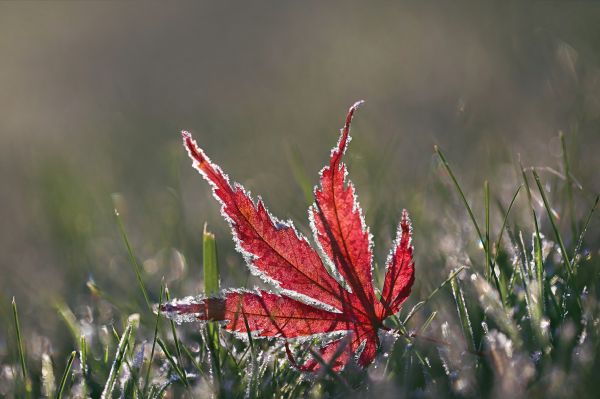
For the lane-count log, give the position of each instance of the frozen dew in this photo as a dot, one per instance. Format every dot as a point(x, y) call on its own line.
point(536, 356)
point(138, 359)
point(545, 324)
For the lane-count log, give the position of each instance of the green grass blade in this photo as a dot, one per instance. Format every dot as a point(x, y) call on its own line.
point(132, 259)
point(193, 360)
point(254, 363)
point(537, 251)
point(65, 376)
point(26, 381)
point(211, 287)
point(567, 169)
point(583, 231)
point(47, 380)
point(156, 325)
point(504, 224)
point(428, 322)
point(419, 305)
point(490, 272)
point(173, 363)
point(117, 363)
point(557, 234)
point(210, 263)
point(463, 314)
point(83, 354)
point(70, 320)
point(175, 338)
point(488, 258)
point(460, 192)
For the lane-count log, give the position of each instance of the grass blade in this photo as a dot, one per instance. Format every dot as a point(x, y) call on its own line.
point(567, 170)
point(490, 272)
point(47, 380)
point(70, 320)
point(488, 258)
point(460, 191)
point(117, 363)
point(26, 381)
point(554, 227)
point(132, 259)
point(210, 263)
point(419, 305)
point(537, 252)
point(583, 231)
point(173, 363)
point(65, 376)
point(463, 314)
point(156, 324)
point(504, 224)
point(211, 287)
point(83, 354)
point(428, 322)
point(175, 338)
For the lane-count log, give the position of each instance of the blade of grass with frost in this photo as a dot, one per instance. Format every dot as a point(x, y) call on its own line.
point(83, 349)
point(520, 269)
point(26, 381)
point(557, 234)
point(463, 314)
point(419, 305)
point(490, 271)
point(488, 259)
point(537, 249)
point(583, 231)
point(175, 338)
point(65, 376)
point(567, 169)
point(134, 320)
point(117, 363)
point(193, 360)
point(534, 312)
point(173, 363)
point(504, 223)
point(211, 287)
point(489, 301)
point(254, 363)
point(507, 286)
point(156, 324)
point(132, 259)
point(47, 380)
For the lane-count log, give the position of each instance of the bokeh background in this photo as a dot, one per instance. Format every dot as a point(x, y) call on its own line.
point(93, 96)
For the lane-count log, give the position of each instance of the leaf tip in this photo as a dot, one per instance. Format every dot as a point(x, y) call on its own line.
point(357, 104)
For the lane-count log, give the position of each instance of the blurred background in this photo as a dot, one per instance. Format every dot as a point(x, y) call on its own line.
point(93, 96)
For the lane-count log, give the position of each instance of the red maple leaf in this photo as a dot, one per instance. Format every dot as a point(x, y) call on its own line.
point(310, 300)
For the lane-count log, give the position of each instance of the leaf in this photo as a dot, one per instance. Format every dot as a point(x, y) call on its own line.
point(309, 301)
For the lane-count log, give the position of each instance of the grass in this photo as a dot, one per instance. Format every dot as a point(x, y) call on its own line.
point(493, 313)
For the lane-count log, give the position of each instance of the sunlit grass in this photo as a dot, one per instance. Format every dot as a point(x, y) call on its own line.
point(506, 304)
